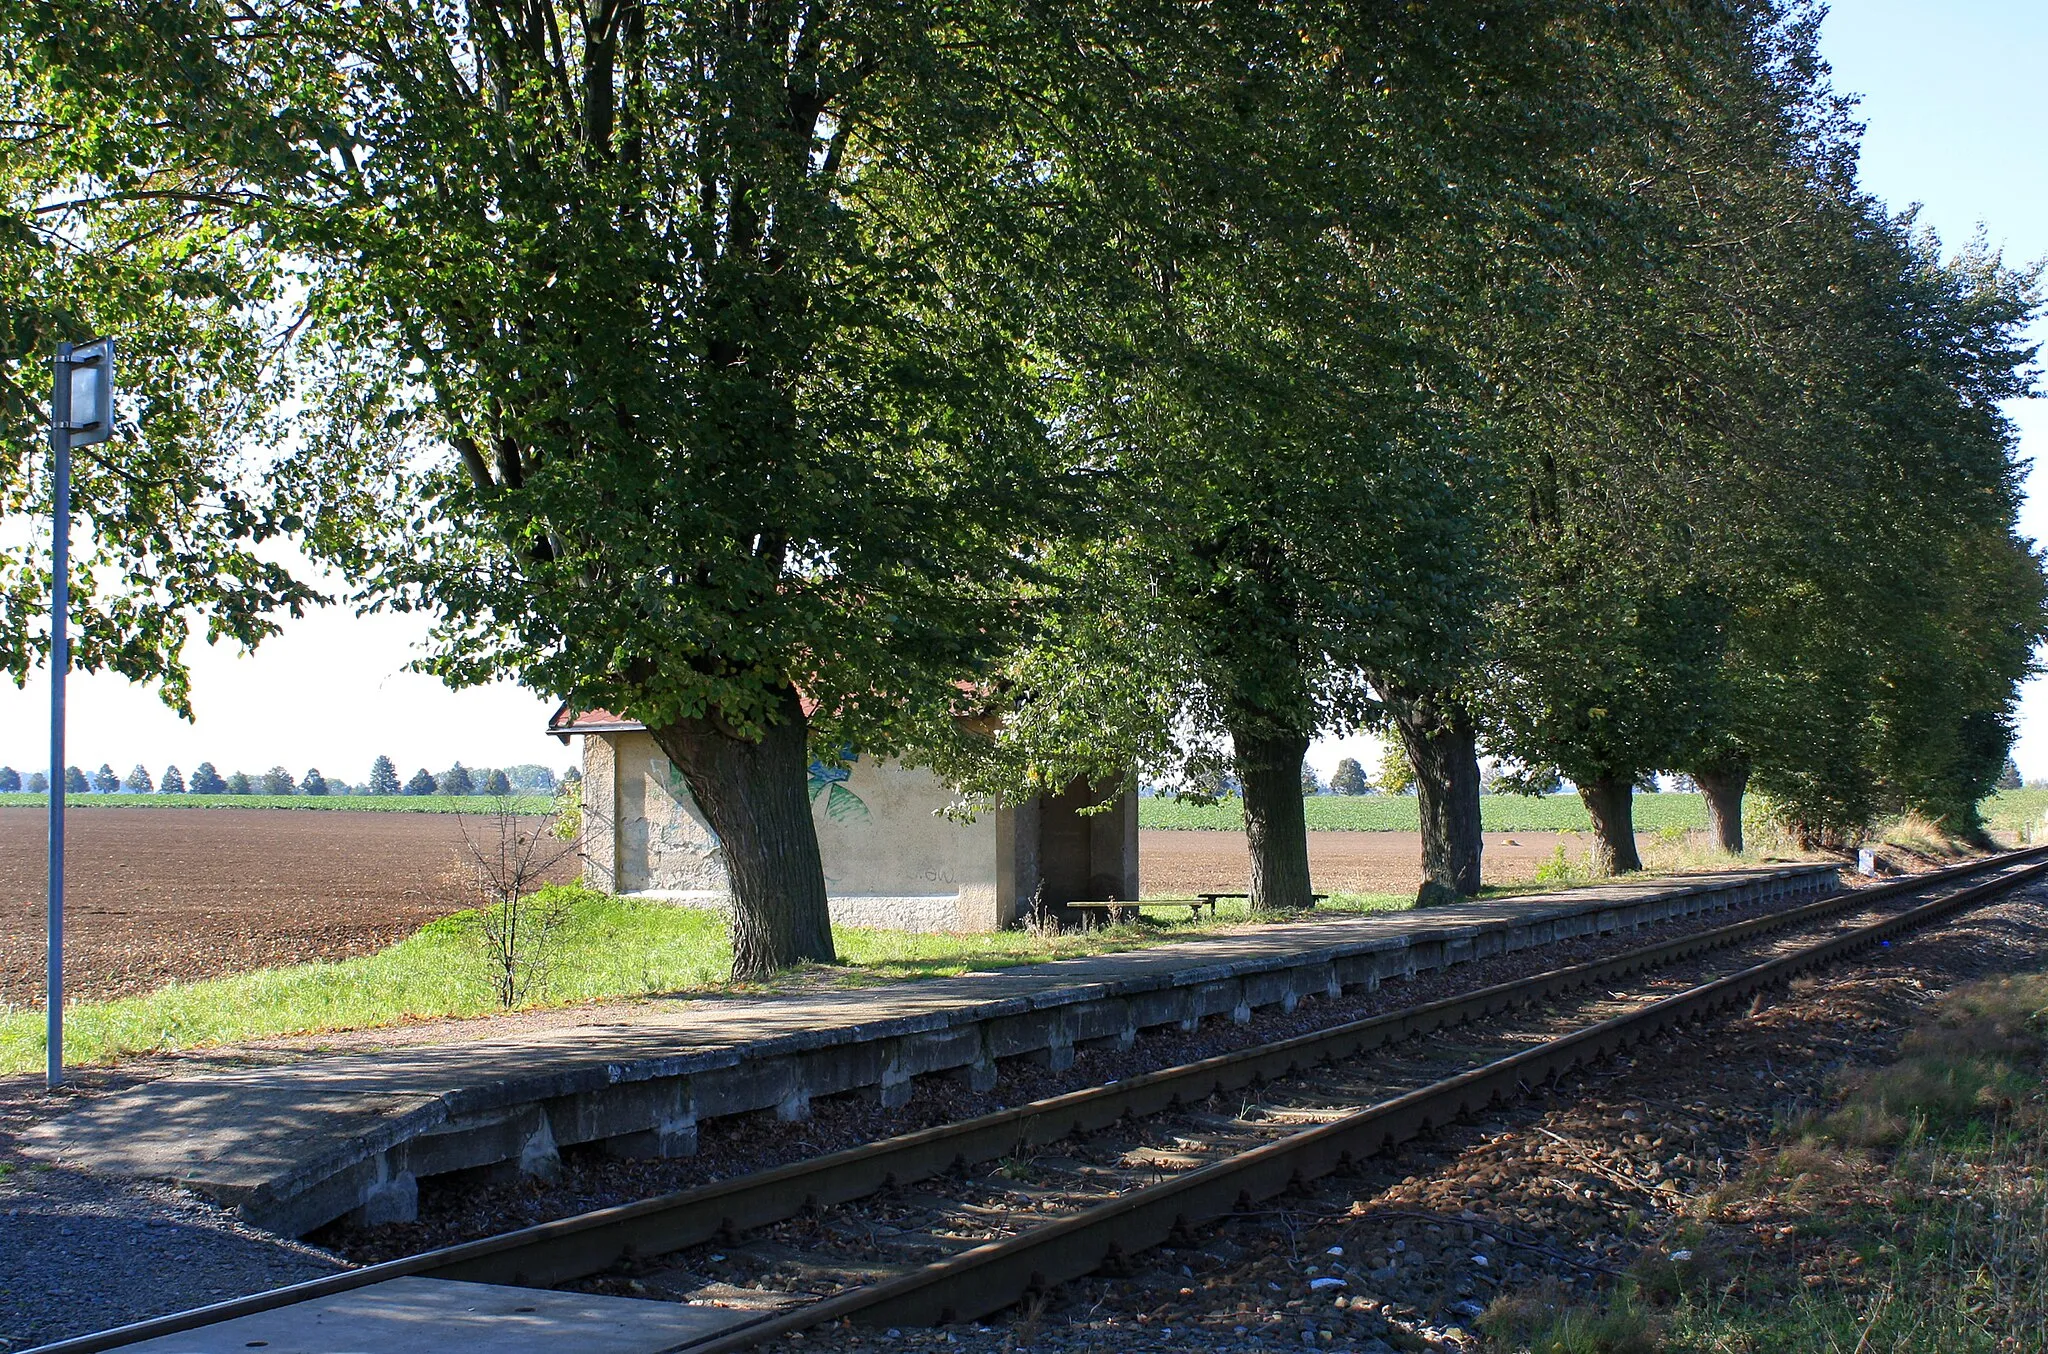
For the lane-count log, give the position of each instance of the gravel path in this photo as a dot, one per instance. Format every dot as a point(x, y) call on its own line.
point(80, 1254)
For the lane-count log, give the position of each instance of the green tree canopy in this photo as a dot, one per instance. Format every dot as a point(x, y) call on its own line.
point(1349, 778)
point(670, 357)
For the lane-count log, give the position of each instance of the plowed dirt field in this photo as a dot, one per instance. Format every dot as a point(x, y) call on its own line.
point(156, 895)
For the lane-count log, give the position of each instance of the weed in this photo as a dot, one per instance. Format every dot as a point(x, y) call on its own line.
point(1565, 868)
point(516, 928)
point(1547, 1323)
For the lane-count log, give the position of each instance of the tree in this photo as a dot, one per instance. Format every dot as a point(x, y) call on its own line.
point(138, 781)
point(1254, 368)
point(497, 784)
point(75, 782)
point(422, 783)
point(177, 514)
point(1349, 778)
point(38, 783)
point(455, 781)
point(173, 782)
point(1397, 773)
point(1310, 785)
point(529, 777)
point(239, 784)
point(10, 779)
point(276, 781)
point(2008, 779)
point(1746, 481)
point(207, 781)
point(736, 351)
point(104, 781)
point(1432, 722)
point(313, 783)
point(573, 776)
point(383, 777)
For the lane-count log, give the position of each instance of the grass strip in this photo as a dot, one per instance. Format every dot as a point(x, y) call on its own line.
point(605, 948)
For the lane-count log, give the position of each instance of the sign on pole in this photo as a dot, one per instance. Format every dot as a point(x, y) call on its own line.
point(81, 413)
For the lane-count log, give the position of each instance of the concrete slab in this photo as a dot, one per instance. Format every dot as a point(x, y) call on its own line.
point(297, 1144)
point(436, 1316)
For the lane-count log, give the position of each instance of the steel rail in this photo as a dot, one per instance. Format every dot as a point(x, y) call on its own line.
point(988, 1278)
point(588, 1243)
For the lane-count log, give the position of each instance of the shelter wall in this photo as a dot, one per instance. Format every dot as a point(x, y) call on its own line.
point(891, 857)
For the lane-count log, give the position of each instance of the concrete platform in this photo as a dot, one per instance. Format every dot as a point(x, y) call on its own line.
point(296, 1145)
point(439, 1316)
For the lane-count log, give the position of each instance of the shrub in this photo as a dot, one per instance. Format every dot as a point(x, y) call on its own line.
point(207, 781)
point(10, 779)
point(75, 782)
point(383, 777)
point(38, 783)
point(422, 783)
point(456, 781)
point(173, 782)
point(238, 784)
point(138, 782)
point(497, 783)
point(313, 784)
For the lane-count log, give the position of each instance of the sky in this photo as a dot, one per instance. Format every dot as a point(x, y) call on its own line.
point(1951, 104)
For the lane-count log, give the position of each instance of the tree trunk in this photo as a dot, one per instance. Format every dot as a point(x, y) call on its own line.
point(1444, 750)
point(1611, 803)
point(1722, 788)
point(1274, 821)
point(755, 796)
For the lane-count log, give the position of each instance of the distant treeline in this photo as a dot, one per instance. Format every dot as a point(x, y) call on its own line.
point(526, 779)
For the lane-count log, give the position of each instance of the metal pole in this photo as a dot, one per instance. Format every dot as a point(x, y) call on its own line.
point(60, 664)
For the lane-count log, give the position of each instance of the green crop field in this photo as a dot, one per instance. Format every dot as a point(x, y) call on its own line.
point(2006, 811)
point(530, 804)
point(1397, 813)
point(2012, 810)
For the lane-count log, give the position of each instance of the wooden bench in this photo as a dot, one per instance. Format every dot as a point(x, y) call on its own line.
point(1212, 898)
point(1120, 909)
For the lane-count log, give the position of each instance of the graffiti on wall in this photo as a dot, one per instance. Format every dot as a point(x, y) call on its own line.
point(842, 805)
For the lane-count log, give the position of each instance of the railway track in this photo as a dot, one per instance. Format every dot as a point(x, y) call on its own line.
point(917, 1230)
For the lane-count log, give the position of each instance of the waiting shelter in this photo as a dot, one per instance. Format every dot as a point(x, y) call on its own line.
point(892, 855)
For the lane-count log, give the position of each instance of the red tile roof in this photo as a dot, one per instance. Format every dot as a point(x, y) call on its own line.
point(564, 722)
